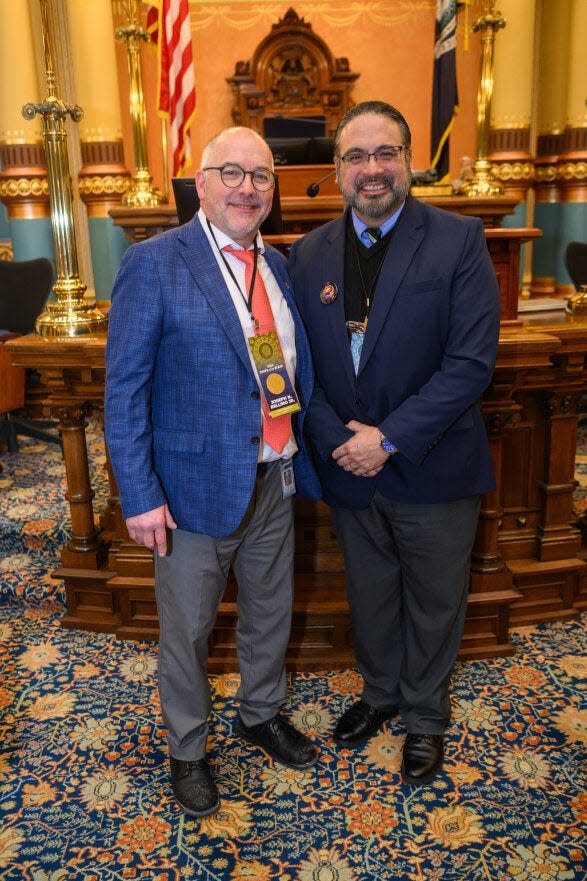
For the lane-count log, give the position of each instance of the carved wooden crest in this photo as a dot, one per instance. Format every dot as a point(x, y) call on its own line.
point(291, 73)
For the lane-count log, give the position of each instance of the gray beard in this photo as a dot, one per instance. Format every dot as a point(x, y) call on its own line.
point(382, 207)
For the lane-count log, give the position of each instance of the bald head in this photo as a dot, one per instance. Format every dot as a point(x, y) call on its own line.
point(238, 211)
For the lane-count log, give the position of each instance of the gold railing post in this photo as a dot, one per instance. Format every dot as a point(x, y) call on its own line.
point(141, 193)
point(70, 314)
point(483, 183)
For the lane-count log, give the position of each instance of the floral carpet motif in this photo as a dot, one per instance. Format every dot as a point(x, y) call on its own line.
point(84, 785)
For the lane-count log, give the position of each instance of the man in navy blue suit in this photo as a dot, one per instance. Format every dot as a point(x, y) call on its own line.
point(401, 306)
point(208, 380)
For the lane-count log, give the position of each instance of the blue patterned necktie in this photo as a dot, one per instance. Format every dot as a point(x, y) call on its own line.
point(370, 235)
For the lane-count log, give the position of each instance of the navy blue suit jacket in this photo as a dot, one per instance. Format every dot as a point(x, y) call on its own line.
point(182, 412)
point(427, 357)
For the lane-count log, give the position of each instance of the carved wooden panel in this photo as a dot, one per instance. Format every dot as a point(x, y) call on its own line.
point(292, 72)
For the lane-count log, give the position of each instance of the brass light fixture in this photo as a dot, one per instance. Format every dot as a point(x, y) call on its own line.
point(69, 315)
point(482, 182)
point(141, 193)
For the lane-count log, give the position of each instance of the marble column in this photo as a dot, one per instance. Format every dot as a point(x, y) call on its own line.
point(510, 149)
point(103, 177)
point(561, 144)
point(24, 189)
point(572, 162)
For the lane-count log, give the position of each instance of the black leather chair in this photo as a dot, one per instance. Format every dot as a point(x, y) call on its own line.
point(24, 288)
point(576, 262)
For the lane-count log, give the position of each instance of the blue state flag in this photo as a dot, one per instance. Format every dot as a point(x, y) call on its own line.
point(445, 102)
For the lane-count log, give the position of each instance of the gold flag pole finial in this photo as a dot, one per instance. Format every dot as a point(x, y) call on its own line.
point(69, 315)
point(141, 193)
point(482, 183)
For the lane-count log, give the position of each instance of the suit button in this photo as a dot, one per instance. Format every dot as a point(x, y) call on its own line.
point(255, 439)
point(255, 394)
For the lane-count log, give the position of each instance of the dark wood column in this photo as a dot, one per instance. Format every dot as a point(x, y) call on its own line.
point(85, 548)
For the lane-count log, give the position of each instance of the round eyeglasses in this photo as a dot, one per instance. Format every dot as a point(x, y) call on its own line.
point(383, 155)
point(233, 175)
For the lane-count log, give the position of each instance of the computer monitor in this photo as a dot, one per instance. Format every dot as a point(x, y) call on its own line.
point(294, 126)
point(187, 204)
point(322, 151)
point(290, 151)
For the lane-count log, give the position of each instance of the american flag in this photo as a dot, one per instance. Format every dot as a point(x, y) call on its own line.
point(168, 25)
point(445, 102)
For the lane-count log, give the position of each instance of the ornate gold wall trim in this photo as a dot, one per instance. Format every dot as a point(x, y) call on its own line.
point(6, 252)
point(103, 184)
point(25, 197)
point(101, 192)
point(513, 171)
point(545, 173)
point(23, 187)
point(241, 15)
point(572, 171)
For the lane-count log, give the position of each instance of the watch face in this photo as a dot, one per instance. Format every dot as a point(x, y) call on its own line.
point(387, 446)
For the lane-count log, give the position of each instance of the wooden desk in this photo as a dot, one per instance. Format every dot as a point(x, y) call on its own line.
point(300, 213)
point(526, 563)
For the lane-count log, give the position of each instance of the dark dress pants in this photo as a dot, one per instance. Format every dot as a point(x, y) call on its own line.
point(407, 569)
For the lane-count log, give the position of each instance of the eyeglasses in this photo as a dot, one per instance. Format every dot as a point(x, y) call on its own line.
point(383, 155)
point(233, 175)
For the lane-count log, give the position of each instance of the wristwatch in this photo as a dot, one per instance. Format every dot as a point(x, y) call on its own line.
point(386, 445)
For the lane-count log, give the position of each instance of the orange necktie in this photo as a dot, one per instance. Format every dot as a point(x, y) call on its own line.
point(276, 429)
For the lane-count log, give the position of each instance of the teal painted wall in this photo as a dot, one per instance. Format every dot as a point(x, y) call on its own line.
point(108, 243)
point(561, 223)
point(4, 228)
point(31, 238)
point(573, 228)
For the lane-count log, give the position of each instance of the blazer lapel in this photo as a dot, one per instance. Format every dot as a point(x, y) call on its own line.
point(208, 279)
point(404, 244)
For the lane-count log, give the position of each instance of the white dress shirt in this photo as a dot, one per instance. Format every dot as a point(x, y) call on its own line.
point(284, 323)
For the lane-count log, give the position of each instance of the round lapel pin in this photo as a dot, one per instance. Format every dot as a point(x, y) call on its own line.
point(329, 293)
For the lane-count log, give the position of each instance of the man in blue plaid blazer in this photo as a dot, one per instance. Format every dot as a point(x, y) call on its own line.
point(199, 482)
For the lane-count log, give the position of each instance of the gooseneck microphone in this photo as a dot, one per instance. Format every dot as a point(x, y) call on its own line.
point(315, 187)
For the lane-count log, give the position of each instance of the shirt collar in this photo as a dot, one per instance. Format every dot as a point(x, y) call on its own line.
point(384, 227)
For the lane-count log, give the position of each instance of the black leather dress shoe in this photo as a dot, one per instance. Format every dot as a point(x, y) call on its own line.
point(193, 787)
point(282, 741)
point(422, 759)
point(360, 722)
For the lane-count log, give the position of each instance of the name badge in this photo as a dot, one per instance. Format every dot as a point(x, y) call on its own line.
point(288, 481)
point(277, 389)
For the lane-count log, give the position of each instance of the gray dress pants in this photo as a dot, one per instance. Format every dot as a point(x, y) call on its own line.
point(190, 583)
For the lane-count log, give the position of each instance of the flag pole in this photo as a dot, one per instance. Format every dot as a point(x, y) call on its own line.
point(141, 194)
point(165, 171)
point(482, 182)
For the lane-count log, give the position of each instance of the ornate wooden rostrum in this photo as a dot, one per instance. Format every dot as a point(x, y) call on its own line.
point(527, 565)
point(292, 73)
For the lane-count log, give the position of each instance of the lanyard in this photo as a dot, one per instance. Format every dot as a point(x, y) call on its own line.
point(248, 300)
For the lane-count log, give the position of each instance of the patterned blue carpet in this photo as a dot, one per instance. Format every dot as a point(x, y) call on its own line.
point(84, 792)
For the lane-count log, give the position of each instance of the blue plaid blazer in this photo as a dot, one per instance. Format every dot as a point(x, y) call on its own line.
point(181, 416)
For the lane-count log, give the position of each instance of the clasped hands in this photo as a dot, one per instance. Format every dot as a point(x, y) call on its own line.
point(362, 453)
point(150, 529)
